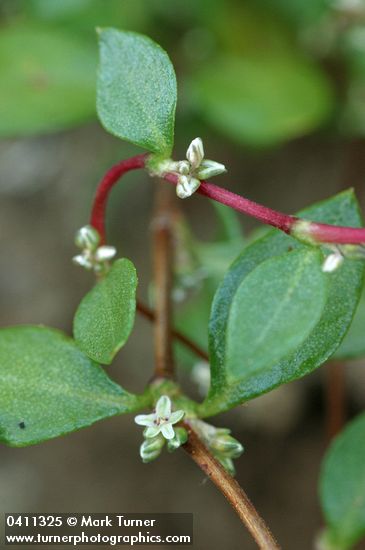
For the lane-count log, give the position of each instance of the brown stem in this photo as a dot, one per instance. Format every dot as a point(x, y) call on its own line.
point(335, 398)
point(162, 267)
point(149, 314)
point(231, 490)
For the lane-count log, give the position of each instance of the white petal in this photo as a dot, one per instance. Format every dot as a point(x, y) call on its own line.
point(195, 153)
point(145, 419)
point(83, 261)
point(210, 168)
point(186, 186)
point(163, 407)
point(176, 416)
point(104, 253)
point(332, 262)
point(152, 431)
point(167, 431)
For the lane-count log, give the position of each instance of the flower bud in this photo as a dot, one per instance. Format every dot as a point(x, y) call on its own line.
point(87, 237)
point(181, 437)
point(210, 168)
point(228, 446)
point(186, 186)
point(332, 262)
point(151, 448)
point(195, 153)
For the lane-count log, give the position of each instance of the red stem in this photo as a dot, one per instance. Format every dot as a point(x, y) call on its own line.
point(97, 219)
point(324, 233)
point(319, 232)
point(262, 213)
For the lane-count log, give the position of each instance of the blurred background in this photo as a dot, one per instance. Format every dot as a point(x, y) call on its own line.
point(276, 88)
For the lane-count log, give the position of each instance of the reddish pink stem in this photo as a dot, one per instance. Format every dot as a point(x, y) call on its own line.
point(97, 219)
point(319, 232)
point(324, 233)
point(261, 213)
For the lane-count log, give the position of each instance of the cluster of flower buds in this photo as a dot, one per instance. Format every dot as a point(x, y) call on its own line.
point(341, 251)
point(92, 255)
point(194, 169)
point(159, 428)
point(221, 444)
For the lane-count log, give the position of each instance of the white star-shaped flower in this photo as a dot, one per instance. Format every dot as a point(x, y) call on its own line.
point(92, 255)
point(160, 421)
point(194, 169)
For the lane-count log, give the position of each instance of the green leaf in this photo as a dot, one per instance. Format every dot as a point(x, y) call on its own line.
point(47, 80)
point(49, 387)
point(105, 316)
point(250, 356)
point(274, 310)
point(136, 92)
point(264, 98)
point(342, 487)
point(353, 345)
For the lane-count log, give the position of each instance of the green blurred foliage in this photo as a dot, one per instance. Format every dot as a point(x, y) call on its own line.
point(200, 267)
point(256, 71)
point(46, 80)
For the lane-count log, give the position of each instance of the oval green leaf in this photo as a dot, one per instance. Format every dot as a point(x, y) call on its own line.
point(49, 387)
point(241, 372)
point(342, 487)
point(47, 80)
point(274, 309)
point(105, 316)
point(136, 91)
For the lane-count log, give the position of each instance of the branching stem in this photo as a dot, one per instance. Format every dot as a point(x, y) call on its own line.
point(162, 231)
point(149, 314)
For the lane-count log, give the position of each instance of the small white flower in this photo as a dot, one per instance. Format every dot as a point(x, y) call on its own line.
point(189, 171)
point(194, 169)
point(332, 262)
point(92, 255)
point(161, 421)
